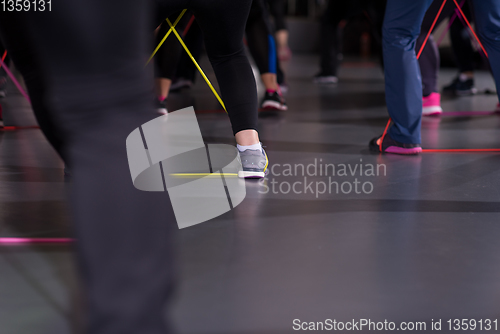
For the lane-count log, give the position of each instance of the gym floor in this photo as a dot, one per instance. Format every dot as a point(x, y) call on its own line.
point(415, 240)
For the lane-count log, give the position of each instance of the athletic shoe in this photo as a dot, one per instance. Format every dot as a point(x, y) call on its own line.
point(161, 107)
point(180, 83)
point(325, 79)
point(273, 101)
point(389, 145)
point(254, 164)
point(3, 84)
point(461, 86)
point(431, 105)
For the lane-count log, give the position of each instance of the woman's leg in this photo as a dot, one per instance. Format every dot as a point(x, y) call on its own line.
point(223, 25)
point(402, 22)
point(488, 26)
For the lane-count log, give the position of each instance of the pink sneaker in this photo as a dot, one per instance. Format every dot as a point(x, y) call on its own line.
point(431, 105)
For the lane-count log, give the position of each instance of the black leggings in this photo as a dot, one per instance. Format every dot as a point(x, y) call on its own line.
point(223, 24)
point(171, 61)
point(258, 33)
point(461, 41)
point(169, 54)
point(338, 10)
point(277, 9)
point(429, 59)
point(260, 39)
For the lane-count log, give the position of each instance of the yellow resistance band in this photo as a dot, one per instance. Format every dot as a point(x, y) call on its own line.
point(172, 29)
point(166, 35)
point(196, 64)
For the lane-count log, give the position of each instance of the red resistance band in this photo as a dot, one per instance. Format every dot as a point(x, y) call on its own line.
point(418, 57)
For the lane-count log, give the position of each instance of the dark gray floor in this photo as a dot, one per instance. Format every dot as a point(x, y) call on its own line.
point(422, 245)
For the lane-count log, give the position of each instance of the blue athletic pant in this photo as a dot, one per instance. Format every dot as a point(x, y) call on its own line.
point(403, 19)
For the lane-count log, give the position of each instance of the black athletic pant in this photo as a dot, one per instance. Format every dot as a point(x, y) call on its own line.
point(277, 8)
point(194, 41)
point(429, 59)
point(168, 55)
point(338, 10)
point(461, 41)
point(260, 39)
point(171, 60)
point(223, 24)
point(89, 89)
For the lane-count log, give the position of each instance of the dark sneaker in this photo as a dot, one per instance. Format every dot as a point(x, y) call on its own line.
point(3, 84)
point(389, 145)
point(461, 86)
point(180, 83)
point(254, 164)
point(273, 101)
point(325, 79)
point(161, 107)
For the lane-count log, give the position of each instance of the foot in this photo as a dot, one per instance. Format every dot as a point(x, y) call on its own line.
point(431, 105)
point(254, 164)
point(389, 145)
point(161, 107)
point(325, 79)
point(461, 86)
point(284, 53)
point(273, 101)
point(180, 84)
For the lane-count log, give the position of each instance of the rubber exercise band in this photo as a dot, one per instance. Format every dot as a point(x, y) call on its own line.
point(468, 113)
point(166, 35)
point(196, 64)
point(383, 135)
point(222, 111)
point(432, 27)
point(9, 73)
point(29, 241)
point(462, 150)
point(12, 128)
point(3, 57)
point(188, 26)
point(470, 27)
point(473, 39)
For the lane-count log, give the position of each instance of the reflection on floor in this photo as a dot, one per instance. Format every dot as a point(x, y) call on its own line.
point(382, 237)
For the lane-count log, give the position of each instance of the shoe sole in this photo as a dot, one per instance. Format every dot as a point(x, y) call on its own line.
point(273, 105)
point(472, 91)
point(162, 111)
point(325, 81)
point(403, 151)
point(251, 175)
point(432, 111)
